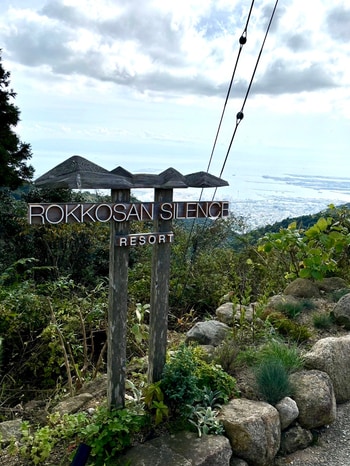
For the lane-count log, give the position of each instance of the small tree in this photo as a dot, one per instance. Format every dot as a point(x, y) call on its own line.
point(13, 153)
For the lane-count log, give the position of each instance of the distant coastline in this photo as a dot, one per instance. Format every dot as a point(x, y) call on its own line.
point(259, 213)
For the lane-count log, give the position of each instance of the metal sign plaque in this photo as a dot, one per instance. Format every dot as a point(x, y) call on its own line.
point(43, 214)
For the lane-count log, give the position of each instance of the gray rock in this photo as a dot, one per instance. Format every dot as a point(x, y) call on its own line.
point(314, 395)
point(35, 411)
point(10, 430)
point(224, 313)
point(210, 332)
point(294, 439)
point(288, 411)
point(341, 311)
point(254, 430)
point(281, 299)
point(96, 387)
point(228, 313)
point(73, 404)
point(182, 449)
point(302, 288)
point(238, 462)
point(330, 284)
point(331, 355)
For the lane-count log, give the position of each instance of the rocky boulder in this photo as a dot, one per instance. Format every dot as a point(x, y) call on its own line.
point(228, 313)
point(275, 302)
point(181, 449)
point(331, 355)
point(10, 430)
point(288, 411)
point(330, 284)
point(254, 430)
point(294, 439)
point(210, 332)
point(314, 396)
point(73, 404)
point(302, 288)
point(341, 311)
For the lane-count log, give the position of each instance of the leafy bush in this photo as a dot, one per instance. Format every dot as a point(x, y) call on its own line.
point(186, 378)
point(111, 432)
point(179, 381)
point(105, 432)
point(41, 325)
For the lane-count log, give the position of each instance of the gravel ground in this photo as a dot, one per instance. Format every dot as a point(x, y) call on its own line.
point(332, 447)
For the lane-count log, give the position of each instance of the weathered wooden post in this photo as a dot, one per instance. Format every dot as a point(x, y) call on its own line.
point(159, 293)
point(117, 308)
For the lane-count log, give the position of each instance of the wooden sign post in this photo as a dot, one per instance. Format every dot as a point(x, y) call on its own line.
point(79, 173)
point(117, 308)
point(159, 294)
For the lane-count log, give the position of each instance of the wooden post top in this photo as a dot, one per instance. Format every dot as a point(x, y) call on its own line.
point(79, 173)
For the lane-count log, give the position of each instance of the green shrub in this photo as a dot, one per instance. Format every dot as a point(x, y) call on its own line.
point(273, 381)
point(186, 379)
point(106, 432)
point(226, 355)
point(287, 328)
point(179, 381)
point(111, 432)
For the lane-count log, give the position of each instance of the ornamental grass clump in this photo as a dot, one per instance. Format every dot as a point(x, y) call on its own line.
point(276, 361)
point(273, 381)
point(322, 321)
point(288, 354)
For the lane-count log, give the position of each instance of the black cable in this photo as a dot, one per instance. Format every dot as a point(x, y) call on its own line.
point(242, 41)
point(240, 114)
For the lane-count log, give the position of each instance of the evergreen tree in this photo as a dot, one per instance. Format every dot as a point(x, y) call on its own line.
point(14, 154)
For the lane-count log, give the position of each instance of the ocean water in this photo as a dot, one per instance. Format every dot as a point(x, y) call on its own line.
point(264, 199)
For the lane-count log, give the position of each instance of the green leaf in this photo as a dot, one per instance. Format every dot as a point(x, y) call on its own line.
point(304, 273)
point(322, 224)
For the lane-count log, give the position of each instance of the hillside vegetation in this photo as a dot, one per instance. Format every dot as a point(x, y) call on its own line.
point(54, 300)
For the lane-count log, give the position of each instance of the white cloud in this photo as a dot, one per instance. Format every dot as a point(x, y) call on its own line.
point(147, 79)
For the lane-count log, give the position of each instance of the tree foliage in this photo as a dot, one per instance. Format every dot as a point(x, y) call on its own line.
point(14, 153)
point(322, 250)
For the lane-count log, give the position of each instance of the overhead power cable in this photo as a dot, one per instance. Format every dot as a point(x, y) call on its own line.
point(242, 41)
point(240, 114)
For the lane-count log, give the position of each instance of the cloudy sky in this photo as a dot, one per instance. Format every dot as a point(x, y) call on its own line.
point(142, 84)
